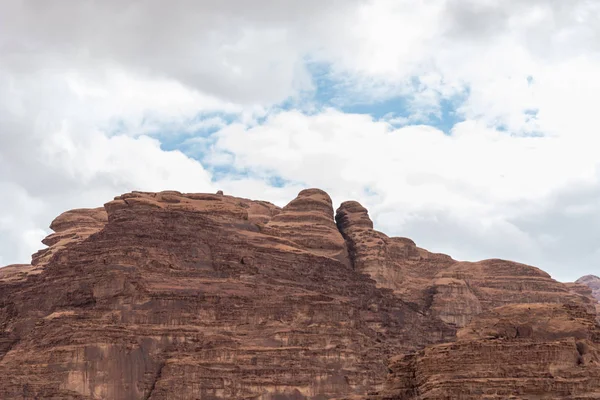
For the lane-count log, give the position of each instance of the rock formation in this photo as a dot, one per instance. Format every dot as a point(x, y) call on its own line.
point(208, 296)
point(589, 287)
point(592, 282)
point(435, 283)
point(518, 351)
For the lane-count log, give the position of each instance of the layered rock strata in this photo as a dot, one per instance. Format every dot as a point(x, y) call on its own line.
point(208, 296)
point(203, 296)
point(436, 284)
point(593, 283)
point(518, 351)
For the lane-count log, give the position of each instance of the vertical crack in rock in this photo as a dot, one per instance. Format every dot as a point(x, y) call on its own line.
point(157, 377)
point(344, 219)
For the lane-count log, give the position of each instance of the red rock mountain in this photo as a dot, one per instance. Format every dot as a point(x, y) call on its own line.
point(201, 296)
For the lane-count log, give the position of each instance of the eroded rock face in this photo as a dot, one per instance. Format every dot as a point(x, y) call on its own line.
point(589, 287)
point(185, 296)
point(70, 227)
point(307, 221)
point(436, 284)
point(593, 282)
point(394, 263)
point(208, 296)
point(519, 351)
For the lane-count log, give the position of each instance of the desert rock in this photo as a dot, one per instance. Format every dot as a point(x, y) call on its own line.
point(593, 282)
point(518, 351)
point(208, 296)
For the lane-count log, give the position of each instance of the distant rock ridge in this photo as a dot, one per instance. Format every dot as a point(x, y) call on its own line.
point(209, 296)
point(589, 287)
point(593, 282)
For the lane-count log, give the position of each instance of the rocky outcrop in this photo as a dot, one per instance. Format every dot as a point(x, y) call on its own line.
point(307, 221)
point(209, 296)
point(495, 283)
point(394, 263)
point(592, 282)
point(518, 351)
point(184, 296)
point(588, 287)
point(436, 284)
point(70, 227)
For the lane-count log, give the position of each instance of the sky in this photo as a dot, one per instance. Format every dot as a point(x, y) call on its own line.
point(469, 126)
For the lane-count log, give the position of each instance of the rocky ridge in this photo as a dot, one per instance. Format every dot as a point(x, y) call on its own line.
point(593, 283)
point(207, 296)
point(589, 287)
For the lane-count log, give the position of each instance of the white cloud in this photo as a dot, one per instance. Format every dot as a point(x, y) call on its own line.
point(85, 173)
point(55, 157)
point(468, 193)
point(84, 86)
point(246, 52)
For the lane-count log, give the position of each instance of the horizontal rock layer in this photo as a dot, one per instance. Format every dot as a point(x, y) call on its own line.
point(593, 283)
point(438, 285)
point(208, 296)
point(522, 351)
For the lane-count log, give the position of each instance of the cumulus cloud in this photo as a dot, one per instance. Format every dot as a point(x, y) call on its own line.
point(473, 193)
point(246, 52)
point(55, 155)
point(93, 93)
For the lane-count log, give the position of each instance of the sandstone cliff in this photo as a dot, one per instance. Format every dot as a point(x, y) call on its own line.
point(518, 351)
point(201, 296)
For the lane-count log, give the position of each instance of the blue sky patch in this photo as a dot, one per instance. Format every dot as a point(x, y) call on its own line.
point(195, 137)
point(331, 92)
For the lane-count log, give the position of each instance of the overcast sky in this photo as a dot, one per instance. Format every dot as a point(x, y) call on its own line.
point(468, 126)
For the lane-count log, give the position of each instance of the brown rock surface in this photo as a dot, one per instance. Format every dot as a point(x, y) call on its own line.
point(593, 282)
point(307, 221)
point(589, 287)
point(208, 296)
point(518, 351)
point(203, 296)
point(70, 227)
point(435, 283)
